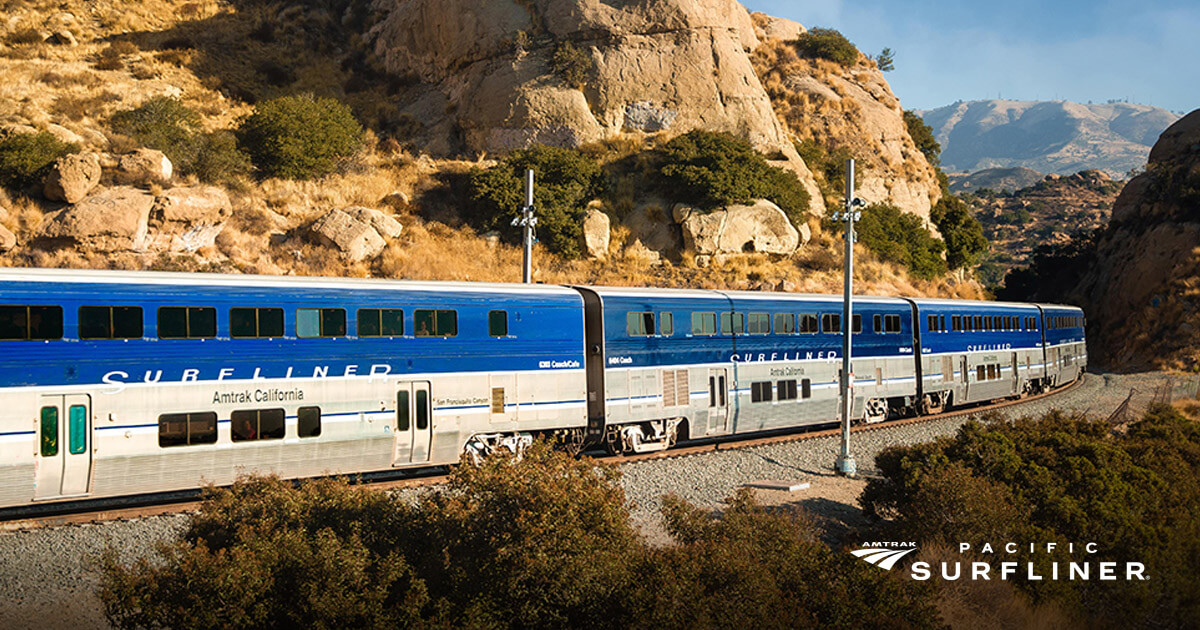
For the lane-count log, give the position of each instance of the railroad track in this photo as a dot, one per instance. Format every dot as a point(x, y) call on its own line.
point(119, 513)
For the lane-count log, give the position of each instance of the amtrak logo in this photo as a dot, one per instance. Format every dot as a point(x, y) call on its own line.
point(883, 557)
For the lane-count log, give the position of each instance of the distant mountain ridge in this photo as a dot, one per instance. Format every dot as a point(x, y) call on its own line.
point(997, 179)
point(1046, 136)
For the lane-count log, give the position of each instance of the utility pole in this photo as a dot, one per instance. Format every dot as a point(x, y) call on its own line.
point(845, 462)
point(527, 220)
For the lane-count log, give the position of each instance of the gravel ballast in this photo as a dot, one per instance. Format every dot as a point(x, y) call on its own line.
point(47, 579)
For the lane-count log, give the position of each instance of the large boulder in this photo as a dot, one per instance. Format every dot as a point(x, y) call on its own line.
point(8, 240)
point(187, 218)
point(354, 239)
point(771, 27)
point(650, 222)
point(72, 177)
point(143, 167)
point(384, 224)
point(110, 220)
point(761, 227)
point(595, 233)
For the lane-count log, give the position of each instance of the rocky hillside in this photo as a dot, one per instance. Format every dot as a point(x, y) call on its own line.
point(1051, 211)
point(1143, 289)
point(1047, 136)
point(995, 179)
point(443, 90)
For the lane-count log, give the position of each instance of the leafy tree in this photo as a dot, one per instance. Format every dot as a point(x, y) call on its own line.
point(300, 137)
point(564, 181)
point(899, 237)
point(827, 43)
point(922, 136)
point(1053, 270)
point(1061, 478)
point(26, 158)
point(712, 170)
point(886, 60)
point(963, 234)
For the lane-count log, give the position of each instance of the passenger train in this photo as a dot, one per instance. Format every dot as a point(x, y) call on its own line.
point(122, 383)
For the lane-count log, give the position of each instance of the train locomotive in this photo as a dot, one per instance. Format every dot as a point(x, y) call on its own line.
point(125, 383)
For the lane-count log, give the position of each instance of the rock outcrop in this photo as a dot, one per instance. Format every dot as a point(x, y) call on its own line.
point(596, 233)
point(1142, 292)
point(143, 167)
point(353, 233)
point(113, 219)
point(185, 219)
point(759, 228)
point(8, 240)
point(72, 177)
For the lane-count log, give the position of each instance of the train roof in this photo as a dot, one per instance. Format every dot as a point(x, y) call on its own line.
point(94, 276)
point(638, 292)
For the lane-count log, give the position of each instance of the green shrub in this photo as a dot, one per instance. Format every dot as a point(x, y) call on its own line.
point(827, 43)
point(571, 64)
point(26, 158)
point(564, 181)
point(712, 170)
point(166, 124)
point(962, 232)
point(300, 137)
point(828, 164)
point(541, 542)
point(896, 236)
point(922, 136)
point(1136, 493)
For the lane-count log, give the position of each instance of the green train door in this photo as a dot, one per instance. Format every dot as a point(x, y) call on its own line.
point(63, 451)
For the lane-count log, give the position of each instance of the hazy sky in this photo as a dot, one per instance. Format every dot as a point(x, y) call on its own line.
point(1147, 51)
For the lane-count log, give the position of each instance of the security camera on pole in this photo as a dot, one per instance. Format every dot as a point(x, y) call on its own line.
point(850, 213)
point(528, 221)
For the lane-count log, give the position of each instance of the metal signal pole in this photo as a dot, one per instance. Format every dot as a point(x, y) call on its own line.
point(845, 462)
point(528, 221)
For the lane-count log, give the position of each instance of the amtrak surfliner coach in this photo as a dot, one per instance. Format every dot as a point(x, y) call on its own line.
point(120, 383)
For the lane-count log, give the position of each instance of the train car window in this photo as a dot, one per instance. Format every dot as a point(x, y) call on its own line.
point(831, 323)
point(187, 322)
point(28, 323)
point(639, 324)
point(733, 323)
point(978, 322)
point(704, 323)
point(785, 323)
point(497, 400)
point(49, 429)
point(931, 323)
point(422, 410)
point(856, 320)
point(110, 322)
point(77, 429)
point(760, 392)
point(892, 323)
point(380, 322)
point(251, 322)
point(808, 324)
point(786, 389)
point(402, 421)
point(436, 323)
point(759, 324)
point(498, 323)
point(257, 424)
point(956, 322)
point(666, 324)
point(182, 429)
point(942, 323)
point(806, 388)
point(878, 323)
point(320, 322)
point(308, 421)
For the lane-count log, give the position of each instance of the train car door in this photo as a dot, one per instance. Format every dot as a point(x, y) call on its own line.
point(718, 403)
point(414, 424)
point(966, 379)
point(1016, 368)
point(64, 454)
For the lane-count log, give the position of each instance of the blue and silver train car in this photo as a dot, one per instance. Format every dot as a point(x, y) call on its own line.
point(674, 364)
point(977, 351)
point(1066, 347)
point(121, 383)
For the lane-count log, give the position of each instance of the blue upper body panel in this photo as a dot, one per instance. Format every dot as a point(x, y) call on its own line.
point(989, 335)
point(1064, 324)
point(544, 329)
point(685, 346)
